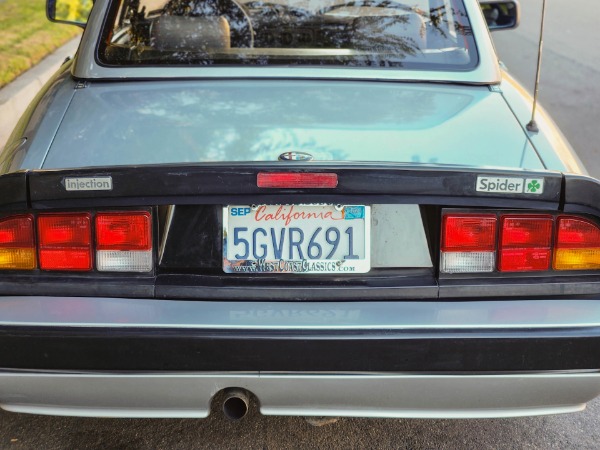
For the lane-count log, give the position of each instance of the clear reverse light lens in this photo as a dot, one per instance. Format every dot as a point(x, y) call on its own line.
point(468, 262)
point(123, 261)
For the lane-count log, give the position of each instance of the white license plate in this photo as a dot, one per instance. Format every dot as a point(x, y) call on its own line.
point(296, 239)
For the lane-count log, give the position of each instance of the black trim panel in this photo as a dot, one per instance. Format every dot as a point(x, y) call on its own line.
point(582, 194)
point(122, 349)
point(13, 191)
point(213, 183)
point(69, 286)
point(377, 285)
point(515, 286)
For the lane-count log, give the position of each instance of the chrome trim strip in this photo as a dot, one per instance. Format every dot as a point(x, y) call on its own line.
point(371, 315)
point(163, 243)
point(297, 394)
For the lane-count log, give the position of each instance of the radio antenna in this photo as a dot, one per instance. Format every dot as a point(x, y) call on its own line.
point(532, 125)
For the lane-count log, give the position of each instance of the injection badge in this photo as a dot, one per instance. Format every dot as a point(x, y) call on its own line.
point(88, 184)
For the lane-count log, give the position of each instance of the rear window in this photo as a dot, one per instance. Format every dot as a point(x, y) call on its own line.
point(422, 34)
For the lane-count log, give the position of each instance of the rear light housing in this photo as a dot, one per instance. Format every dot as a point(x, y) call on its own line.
point(469, 243)
point(119, 241)
point(517, 243)
point(124, 242)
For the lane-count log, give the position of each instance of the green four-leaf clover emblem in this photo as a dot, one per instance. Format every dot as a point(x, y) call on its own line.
point(533, 186)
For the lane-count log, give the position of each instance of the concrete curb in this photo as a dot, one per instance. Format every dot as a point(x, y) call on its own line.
point(16, 96)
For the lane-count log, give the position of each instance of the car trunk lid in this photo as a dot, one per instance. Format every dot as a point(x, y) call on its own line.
point(126, 123)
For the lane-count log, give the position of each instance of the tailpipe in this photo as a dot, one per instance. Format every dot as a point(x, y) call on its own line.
point(236, 403)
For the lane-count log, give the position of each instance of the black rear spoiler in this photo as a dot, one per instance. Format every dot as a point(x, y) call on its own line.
point(218, 183)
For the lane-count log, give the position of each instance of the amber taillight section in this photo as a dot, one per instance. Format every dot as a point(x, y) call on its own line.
point(577, 244)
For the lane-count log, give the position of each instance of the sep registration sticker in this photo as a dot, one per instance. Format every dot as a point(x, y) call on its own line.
point(315, 238)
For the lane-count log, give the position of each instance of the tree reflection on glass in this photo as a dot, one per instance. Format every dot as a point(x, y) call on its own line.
point(365, 33)
point(73, 10)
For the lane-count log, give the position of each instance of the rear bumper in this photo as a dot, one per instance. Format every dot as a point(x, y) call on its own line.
point(164, 358)
point(355, 395)
point(108, 334)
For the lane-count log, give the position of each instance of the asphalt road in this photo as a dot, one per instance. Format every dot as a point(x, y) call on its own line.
point(570, 92)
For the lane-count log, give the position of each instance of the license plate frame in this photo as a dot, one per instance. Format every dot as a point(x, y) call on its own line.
point(354, 217)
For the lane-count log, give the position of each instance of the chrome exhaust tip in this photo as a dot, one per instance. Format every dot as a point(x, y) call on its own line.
point(236, 403)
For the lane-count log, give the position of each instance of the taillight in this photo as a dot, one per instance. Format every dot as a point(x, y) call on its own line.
point(65, 241)
point(124, 242)
point(577, 244)
point(285, 180)
point(118, 241)
point(17, 246)
point(469, 243)
point(525, 243)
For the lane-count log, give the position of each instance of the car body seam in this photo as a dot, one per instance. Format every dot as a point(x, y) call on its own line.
point(47, 152)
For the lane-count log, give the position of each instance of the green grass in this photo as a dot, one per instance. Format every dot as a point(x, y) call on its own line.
point(27, 36)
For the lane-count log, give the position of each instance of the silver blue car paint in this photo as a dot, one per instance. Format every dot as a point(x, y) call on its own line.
point(157, 122)
point(550, 143)
point(552, 147)
point(30, 141)
point(117, 313)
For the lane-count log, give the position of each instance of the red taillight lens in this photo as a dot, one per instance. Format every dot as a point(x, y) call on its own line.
point(526, 231)
point(16, 231)
point(65, 241)
point(465, 233)
point(297, 180)
point(577, 244)
point(525, 243)
point(123, 231)
point(17, 246)
point(574, 232)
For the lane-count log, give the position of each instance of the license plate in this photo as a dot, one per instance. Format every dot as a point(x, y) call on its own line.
point(296, 239)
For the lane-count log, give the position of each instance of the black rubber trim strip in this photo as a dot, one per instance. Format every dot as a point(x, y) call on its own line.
point(555, 286)
point(309, 293)
point(218, 183)
point(382, 285)
point(135, 349)
point(71, 287)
